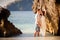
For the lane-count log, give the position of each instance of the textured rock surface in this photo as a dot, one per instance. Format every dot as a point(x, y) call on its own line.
point(6, 27)
point(58, 8)
point(52, 14)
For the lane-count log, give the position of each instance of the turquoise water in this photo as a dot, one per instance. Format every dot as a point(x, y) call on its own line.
point(23, 20)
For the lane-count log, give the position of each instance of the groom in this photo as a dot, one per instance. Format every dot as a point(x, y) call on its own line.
point(38, 22)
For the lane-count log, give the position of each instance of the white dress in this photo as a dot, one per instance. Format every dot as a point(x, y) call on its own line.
point(43, 26)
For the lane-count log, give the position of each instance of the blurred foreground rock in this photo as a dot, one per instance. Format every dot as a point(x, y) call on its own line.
point(52, 14)
point(6, 27)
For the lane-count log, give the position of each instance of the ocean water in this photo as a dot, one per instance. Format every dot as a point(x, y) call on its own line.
point(23, 20)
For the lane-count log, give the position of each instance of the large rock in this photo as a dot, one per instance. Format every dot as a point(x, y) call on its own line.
point(52, 14)
point(6, 27)
point(58, 8)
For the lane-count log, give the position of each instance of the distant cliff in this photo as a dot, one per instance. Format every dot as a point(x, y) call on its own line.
point(20, 5)
point(52, 14)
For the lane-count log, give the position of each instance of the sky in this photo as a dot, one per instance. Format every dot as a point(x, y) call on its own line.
point(4, 3)
point(17, 5)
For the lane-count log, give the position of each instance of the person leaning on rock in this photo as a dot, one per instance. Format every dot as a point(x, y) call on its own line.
point(37, 22)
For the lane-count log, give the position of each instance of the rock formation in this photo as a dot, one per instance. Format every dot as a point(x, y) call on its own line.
point(52, 14)
point(6, 27)
point(58, 9)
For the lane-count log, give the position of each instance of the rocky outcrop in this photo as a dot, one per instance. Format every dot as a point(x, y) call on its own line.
point(58, 9)
point(6, 27)
point(52, 14)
